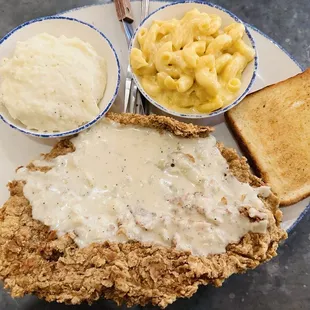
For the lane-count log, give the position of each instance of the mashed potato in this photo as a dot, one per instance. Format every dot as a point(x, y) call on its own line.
point(52, 84)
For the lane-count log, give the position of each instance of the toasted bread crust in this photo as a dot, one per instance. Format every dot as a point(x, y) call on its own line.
point(34, 260)
point(257, 163)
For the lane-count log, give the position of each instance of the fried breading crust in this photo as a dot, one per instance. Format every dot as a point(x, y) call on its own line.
point(34, 261)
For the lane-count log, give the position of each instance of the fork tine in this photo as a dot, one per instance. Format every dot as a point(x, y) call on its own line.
point(127, 92)
point(133, 98)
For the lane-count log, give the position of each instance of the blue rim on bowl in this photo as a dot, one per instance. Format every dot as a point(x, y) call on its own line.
point(99, 116)
point(214, 113)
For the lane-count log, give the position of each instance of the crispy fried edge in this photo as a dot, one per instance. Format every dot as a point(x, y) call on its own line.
point(162, 123)
point(34, 261)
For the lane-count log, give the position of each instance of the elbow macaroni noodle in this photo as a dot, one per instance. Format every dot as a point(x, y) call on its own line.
point(191, 65)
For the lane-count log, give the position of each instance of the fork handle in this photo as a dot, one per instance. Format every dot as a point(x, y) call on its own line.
point(123, 10)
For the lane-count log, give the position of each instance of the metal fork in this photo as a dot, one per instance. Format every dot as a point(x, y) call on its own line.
point(133, 98)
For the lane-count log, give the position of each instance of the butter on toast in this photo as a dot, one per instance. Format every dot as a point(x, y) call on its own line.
point(272, 126)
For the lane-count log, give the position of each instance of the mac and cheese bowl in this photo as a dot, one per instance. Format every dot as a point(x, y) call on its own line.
point(193, 59)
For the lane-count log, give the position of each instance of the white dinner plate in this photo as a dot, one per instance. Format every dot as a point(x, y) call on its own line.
point(274, 65)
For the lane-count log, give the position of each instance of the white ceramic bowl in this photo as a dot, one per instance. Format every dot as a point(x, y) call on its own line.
point(177, 10)
point(70, 27)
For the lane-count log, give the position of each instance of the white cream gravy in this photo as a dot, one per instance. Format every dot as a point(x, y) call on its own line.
point(131, 183)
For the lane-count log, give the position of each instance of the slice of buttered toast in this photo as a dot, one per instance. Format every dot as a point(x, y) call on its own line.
point(272, 126)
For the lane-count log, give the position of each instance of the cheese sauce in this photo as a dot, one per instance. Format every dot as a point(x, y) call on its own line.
point(131, 183)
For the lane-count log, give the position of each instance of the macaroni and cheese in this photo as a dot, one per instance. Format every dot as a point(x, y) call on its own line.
point(191, 65)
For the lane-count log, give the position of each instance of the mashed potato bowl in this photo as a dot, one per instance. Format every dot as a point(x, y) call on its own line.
point(178, 10)
point(69, 27)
